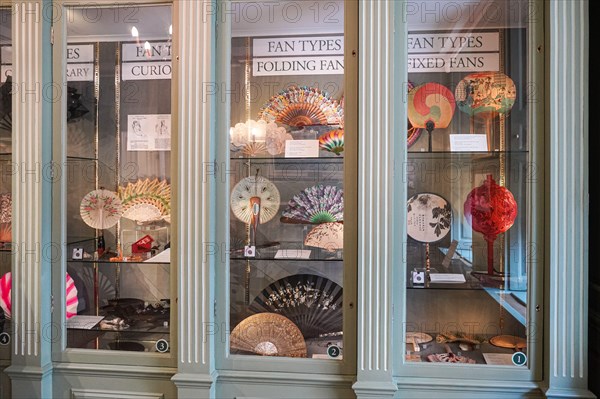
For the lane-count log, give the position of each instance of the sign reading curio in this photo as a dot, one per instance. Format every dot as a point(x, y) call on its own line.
point(146, 61)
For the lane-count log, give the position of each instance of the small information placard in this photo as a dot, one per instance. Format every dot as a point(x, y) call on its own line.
point(293, 254)
point(302, 149)
point(447, 278)
point(468, 142)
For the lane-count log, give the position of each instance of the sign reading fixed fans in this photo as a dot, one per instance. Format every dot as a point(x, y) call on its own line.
point(453, 52)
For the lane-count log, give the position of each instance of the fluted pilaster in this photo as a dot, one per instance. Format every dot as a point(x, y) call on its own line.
point(375, 190)
point(567, 362)
point(32, 151)
point(194, 67)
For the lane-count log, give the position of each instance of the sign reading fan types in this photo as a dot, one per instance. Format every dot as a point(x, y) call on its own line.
point(146, 61)
point(308, 55)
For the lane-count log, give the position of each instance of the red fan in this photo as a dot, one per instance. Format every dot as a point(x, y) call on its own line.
point(491, 210)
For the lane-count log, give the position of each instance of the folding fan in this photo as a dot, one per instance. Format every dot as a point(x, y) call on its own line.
point(302, 106)
point(312, 302)
point(146, 201)
point(316, 204)
point(268, 334)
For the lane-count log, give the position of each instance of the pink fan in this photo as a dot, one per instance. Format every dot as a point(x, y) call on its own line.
point(6, 288)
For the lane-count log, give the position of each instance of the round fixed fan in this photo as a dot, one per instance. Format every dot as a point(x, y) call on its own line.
point(268, 334)
point(485, 94)
point(428, 217)
point(312, 302)
point(316, 204)
point(302, 106)
point(413, 132)
point(333, 141)
point(255, 200)
point(100, 209)
point(6, 302)
point(146, 201)
point(509, 341)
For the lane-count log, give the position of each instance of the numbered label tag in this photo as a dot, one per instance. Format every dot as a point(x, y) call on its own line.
point(4, 339)
point(162, 345)
point(519, 359)
point(250, 251)
point(333, 351)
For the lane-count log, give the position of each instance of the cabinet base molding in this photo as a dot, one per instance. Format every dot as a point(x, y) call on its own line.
point(374, 389)
point(30, 381)
point(195, 385)
point(568, 393)
point(113, 371)
point(102, 394)
point(437, 388)
point(269, 384)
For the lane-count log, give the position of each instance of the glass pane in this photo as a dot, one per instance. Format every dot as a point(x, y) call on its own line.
point(118, 162)
point(5, 180)
point(287, 169)
point(468, 175)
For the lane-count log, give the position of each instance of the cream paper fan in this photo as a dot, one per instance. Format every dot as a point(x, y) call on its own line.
point(268, 334)
point(146, 201)
point(100, 209)
point(254, 190)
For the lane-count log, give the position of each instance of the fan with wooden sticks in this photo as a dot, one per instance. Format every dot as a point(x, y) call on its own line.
point(146, 201)
point(302, 106)
point(268, 334)
point(312, 302)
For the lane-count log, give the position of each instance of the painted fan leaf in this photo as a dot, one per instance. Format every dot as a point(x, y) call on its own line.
point(302, 106)
point(312, 302)
point(147, 200)
point(268, 334)
point(316, 204)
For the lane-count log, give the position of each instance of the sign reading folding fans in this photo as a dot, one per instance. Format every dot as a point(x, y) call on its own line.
point(307, 55)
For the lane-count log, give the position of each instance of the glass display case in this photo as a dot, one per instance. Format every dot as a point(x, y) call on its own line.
point(118, 164)
point(470, 173)
point(286, 196)
point(6, 176)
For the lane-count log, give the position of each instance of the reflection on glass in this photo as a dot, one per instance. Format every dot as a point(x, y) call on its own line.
point(286, 194)
point(468, 151)
point(119, 189)
point(6, 64)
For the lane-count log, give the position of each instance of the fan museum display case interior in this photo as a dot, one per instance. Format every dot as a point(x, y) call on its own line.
point(286, 164)
point(292, 198)
point(470, 174)
point(118, 192)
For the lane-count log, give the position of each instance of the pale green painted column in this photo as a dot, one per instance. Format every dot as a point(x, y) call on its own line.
point(31, 369)
point(194, 71)
point(567, 316)
point(375, 193)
